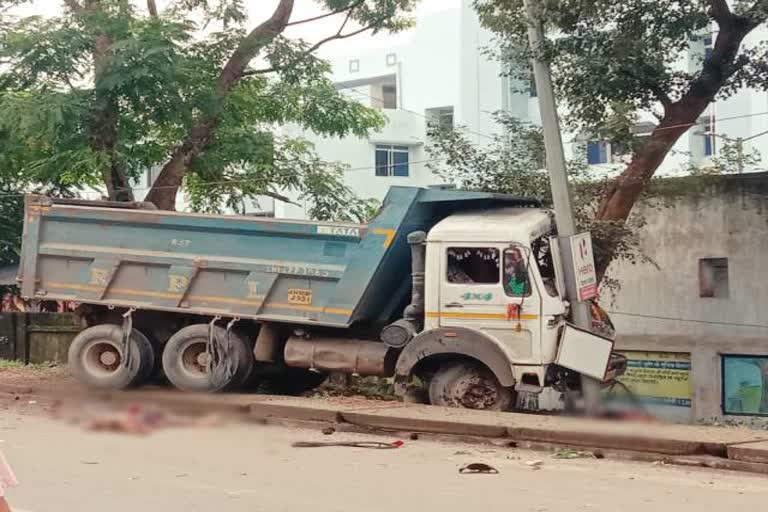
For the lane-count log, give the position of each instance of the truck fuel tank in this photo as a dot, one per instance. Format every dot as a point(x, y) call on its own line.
point(340, 355)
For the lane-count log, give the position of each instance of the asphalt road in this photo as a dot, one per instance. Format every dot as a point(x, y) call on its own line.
point(253, 468)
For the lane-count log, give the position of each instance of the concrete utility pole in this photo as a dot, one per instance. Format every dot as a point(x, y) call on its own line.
point(561, 193)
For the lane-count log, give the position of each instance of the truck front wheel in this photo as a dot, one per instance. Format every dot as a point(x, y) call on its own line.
point(471, 386)
point(185, 360)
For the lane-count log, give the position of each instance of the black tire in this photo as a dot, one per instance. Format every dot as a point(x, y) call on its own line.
point(96, 357)
point(470, 386)
point(183, 366)
point(294, 381)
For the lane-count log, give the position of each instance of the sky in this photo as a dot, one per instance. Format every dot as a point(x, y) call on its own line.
point(259, 10)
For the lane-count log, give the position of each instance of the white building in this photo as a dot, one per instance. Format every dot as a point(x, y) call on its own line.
point(441, 71)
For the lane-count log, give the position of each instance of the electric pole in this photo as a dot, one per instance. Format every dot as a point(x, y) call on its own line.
point(561, 193)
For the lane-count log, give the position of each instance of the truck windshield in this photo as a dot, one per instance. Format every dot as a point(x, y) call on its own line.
point(479, 265)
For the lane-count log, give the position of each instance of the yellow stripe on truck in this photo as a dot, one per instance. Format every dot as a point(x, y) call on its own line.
point(480, 316)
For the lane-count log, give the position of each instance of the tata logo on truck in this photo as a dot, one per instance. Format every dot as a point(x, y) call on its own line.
point(584, 265)
point(338, 231)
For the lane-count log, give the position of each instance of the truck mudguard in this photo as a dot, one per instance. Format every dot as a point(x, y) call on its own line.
point(454, 340)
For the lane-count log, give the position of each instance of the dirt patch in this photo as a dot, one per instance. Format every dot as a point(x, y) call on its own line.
point(42, 377)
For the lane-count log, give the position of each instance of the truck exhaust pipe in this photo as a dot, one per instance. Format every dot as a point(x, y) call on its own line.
point(399, 333)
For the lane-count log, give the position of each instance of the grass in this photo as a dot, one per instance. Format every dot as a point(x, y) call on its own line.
point(15, 364)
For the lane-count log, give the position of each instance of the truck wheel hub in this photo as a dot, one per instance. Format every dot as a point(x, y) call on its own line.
point(477, 394)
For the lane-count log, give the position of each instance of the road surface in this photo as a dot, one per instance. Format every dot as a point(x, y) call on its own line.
point(242, 467)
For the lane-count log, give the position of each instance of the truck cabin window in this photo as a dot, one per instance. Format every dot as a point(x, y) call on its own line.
point(473, 265)
point(516, 282)
point(542, 252)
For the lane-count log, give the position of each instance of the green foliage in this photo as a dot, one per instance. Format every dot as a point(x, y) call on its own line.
point(288, 167)
point(154, 82)
point(513, 163)
point(614, 58)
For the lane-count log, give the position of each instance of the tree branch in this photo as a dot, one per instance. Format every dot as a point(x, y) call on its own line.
point(339, 35)
point(163, 192)
point(720, 11)
point(662, 96)
point(152, 8)
point(74, 5)
point(328, 14)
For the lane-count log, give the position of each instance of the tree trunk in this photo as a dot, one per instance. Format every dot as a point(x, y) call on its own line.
point(103, 129)
point(679, 117)
point(628, 187)
point(165, 188)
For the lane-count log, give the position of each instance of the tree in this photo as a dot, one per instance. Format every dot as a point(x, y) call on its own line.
point(612, 59)
point(111, 88)
point(513, 163)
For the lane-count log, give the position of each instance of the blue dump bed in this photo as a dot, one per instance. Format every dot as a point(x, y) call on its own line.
point(265, 269)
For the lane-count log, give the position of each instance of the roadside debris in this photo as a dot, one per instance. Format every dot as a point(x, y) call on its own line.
point(570, 453)
point(478, 467)
point(352, 444)
point(535, 464)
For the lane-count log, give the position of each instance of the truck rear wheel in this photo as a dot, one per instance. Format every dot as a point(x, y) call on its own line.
point(96, 358)
point(471, 386)
point(185, 360)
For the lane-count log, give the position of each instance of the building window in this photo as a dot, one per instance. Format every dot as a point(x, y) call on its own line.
point(354, 66)
point(532, 92)
point(389, 96)
point(745, 385)
point(708, 46)
point(391, 160)
point(473, 265)
point(597, 152)
point(440, 118)
point(391, 59)
point(709, 135)
point(713, 278)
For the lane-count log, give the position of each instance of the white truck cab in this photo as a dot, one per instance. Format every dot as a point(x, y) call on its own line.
point(493, 316)
point(481, 273)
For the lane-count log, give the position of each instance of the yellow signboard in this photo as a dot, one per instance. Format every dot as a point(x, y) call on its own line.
point(659, 377)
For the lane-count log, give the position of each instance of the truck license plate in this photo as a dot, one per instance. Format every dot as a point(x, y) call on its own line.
point(299, 296)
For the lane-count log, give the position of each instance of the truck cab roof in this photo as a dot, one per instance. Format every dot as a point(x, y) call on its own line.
point(496, 225)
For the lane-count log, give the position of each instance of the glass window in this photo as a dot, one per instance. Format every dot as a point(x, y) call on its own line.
point(392, 160)
point(382, 161)
point(473, 265)
point(516, 280)
point(597, 152)
point(713, 278)
point(745, 385)
point(708, 47)
point(389, 96)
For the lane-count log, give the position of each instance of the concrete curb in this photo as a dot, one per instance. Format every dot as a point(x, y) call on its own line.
point(675, 446)
point(611, 441)
point(436, 426)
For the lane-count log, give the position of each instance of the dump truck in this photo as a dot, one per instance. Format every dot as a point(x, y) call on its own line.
point(452, 292)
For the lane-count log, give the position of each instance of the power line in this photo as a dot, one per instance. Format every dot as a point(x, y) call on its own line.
point(712, 322)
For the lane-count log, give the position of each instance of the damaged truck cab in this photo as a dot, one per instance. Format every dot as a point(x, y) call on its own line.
point(486, 302)
point(451, 292)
